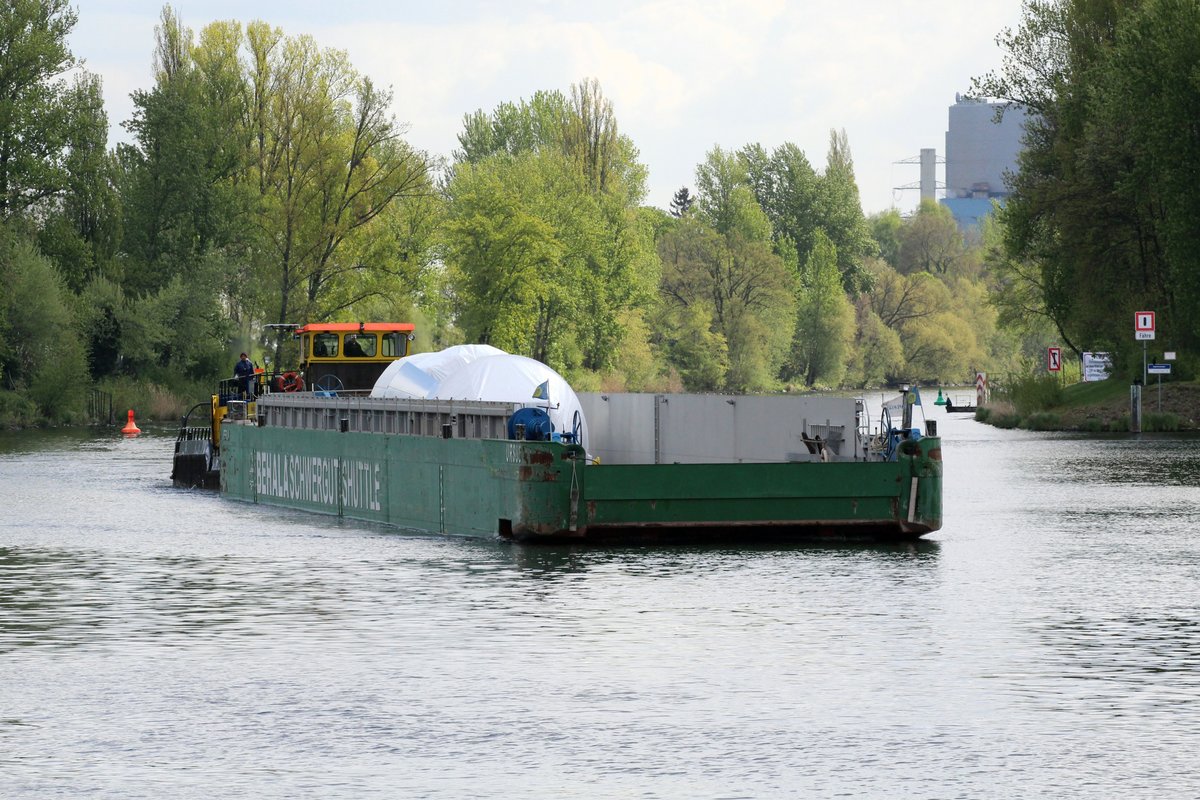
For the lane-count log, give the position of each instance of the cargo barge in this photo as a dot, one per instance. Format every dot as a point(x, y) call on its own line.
point(626, 468)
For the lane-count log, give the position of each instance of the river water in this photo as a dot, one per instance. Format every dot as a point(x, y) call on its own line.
point(164, 643)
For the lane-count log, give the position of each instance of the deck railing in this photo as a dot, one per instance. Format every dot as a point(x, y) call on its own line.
point(309, 411)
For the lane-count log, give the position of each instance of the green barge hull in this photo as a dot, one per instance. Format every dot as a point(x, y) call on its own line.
point(438, 480)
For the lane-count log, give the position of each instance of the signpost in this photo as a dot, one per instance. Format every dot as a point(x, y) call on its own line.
point(981, 388)
point(1096, 366)
point(1054, 359)
point(1159, 370)
point(1143, 331)
point(1143, 325)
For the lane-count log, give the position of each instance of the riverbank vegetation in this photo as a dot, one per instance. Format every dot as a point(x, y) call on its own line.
point(266, 180)
point(1097, 407)
point(1101, 221)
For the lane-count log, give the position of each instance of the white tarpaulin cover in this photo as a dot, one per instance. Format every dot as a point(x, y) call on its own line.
point(514, 379)
point(418, 375)
point(482, 372)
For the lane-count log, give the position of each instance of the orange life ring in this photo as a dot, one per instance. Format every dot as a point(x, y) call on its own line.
point(290, 382)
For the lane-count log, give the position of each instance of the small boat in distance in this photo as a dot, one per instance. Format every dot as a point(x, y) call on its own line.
point(954, 408)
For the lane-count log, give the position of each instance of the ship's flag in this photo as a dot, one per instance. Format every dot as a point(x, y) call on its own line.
point(542, 391)
point(917, 392)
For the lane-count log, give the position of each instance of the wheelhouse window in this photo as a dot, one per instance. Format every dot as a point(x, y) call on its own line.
point(360, 345)
point(325, 345)
point(393, 344)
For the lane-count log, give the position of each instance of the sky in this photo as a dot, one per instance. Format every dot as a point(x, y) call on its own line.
point(683, 75)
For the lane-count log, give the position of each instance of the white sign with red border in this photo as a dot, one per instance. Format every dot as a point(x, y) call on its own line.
point(1143, 325)
point(1054, 358)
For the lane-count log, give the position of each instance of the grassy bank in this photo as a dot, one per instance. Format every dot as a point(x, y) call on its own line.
point(1097, 407)
point(151, 402)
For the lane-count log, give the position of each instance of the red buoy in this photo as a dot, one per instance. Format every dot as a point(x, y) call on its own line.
point(130, 428)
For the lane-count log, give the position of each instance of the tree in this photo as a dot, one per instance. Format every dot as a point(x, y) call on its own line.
point(725, 198)
point(567, 202)
point(1096, 202)
point(885, 228)
point(80, 228)
point(898, 299)
point(698, 353)
point(799, 203)
point(328, 159)
point(744, 287)
point(183, 180)
point(877, 352)
point(824, 319)
point(681, 202)
point(519, 255)
point(1149, 93)
point(514, 128)
point(592, 141)
point(937, 349)
point(188, 211)
point(1016, 290)
point(786, 187)
point(41, 355)
point(931, 242)
point(842, 216)
point(35, 109)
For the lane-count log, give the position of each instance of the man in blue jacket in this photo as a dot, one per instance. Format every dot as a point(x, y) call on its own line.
point(243, 370)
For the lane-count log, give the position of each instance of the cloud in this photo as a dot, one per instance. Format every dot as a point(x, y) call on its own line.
point(682, 76)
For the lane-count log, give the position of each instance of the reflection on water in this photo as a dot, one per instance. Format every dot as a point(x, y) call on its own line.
point(161, 642)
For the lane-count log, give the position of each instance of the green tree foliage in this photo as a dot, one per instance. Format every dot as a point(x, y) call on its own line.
point(749, 285)
point(787, 188)
point(1017, 296)
point(517, 285)
point(824, 319)
point(1103, 204)
point(698, 353)
point(513, 128)
point(842, 214)
point(885, 228)
point(42, 355)
point(52, 131)
point(799, 203)
point(744, 287)
point(548, 253)
point(931, 242)
point(940, 301)
point(1151, 87)
point(36, 112)
point(938, 348)
point(328, 159)
point(681, 202)
point(269, 174)
point(80, 228)
point(180, 181)
point(878, 354)
point(725, 199)
point(187, 215)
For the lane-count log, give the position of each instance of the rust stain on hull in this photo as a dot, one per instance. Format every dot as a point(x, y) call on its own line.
point(531, 474)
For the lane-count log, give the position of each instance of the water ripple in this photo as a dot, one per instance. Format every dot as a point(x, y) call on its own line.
point(157, 642)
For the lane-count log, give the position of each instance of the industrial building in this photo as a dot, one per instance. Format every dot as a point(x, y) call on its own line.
point(979, 151)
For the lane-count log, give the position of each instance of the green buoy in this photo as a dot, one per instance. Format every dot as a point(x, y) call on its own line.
point(941, 401)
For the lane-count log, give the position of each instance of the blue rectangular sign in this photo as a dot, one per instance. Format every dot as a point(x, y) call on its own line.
point(1158, 369)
